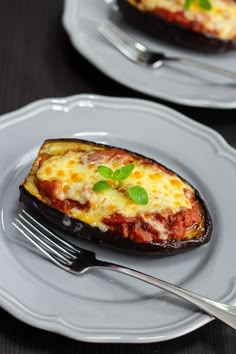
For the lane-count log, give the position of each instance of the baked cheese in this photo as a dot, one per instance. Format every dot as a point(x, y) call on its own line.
point(77, 177)
point(65, 172)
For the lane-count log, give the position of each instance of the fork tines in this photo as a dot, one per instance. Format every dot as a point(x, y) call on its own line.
point(59, 251)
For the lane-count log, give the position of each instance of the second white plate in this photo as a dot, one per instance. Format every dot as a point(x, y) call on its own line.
point(175, 83)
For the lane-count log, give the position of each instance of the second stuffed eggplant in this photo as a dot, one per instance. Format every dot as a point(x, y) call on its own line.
point(206, 26)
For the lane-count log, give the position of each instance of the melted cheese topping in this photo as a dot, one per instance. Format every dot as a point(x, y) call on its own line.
point(77, 174)
point(220, 20)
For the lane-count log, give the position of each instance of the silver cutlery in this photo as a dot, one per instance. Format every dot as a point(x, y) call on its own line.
point(78, 260)
point(140, 54)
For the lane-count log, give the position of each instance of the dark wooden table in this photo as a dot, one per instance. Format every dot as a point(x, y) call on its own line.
point(38, 61)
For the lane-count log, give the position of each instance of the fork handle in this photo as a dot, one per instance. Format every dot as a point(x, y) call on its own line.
point(225, 313)
point(205, 66)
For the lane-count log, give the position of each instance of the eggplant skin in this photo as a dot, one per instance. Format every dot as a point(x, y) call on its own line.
point(58, 221)
point(169, 32)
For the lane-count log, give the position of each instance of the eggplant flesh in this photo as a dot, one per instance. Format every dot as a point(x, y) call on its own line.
point(58, 219)
point(170, 32)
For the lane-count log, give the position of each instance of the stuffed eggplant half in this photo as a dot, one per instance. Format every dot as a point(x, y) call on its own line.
point(202, 25)
point(116, 197)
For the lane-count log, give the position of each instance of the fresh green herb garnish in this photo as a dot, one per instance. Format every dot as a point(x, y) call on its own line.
point(204, 4)
point(117, 175)
point(101, 186)
point(105, 171)
point(136, 193)
point(188, 3)
point(123, 172)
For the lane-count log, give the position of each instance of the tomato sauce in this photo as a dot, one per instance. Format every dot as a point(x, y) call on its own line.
point(138, 230)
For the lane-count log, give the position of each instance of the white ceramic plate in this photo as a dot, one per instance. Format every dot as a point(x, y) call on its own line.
point(175, 83)
point(104, 306)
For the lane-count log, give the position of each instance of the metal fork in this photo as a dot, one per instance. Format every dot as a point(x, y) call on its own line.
point(140, 54)
point(77, 260)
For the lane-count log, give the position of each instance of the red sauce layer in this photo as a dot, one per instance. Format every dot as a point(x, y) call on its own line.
point(180, 18)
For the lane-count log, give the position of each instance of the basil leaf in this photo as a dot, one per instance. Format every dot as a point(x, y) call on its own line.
point(101, 186)
point(188, 3)
point(138, 195)
point(123, 172)
point(204, 4)
point(105, 171)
